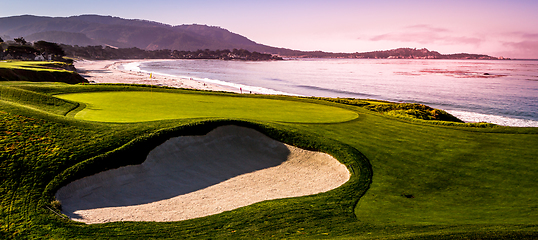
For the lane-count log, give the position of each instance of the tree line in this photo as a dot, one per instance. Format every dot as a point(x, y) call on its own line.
point(107, 52)
point(20, 49)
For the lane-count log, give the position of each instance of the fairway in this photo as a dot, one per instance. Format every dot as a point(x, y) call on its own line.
point(141, 106)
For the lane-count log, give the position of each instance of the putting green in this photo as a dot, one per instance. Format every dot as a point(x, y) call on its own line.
point(150, 106)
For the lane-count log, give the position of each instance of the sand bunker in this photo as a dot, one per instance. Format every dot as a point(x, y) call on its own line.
point(194, 176)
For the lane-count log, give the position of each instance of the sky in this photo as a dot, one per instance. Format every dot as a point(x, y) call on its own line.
point(493, 27)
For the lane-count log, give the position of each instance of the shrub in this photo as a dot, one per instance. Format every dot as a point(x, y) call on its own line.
point(56, 204)
point(413, 110)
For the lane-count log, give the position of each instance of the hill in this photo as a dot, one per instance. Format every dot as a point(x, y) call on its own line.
point(398, 53)
point(115, 32)
point(124, 33)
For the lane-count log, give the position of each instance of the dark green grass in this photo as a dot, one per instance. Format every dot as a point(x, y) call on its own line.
point(39, 71)
point(427, 181)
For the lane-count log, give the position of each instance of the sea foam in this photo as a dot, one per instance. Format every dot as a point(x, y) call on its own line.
point(132, 66)
point(135, 66)
point(499, 120)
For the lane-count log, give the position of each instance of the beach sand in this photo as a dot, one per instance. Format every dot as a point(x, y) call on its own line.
point(111, 71)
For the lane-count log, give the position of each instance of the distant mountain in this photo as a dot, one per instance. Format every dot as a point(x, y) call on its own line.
point(93, 30)
point(124, 33)
point(68, 38)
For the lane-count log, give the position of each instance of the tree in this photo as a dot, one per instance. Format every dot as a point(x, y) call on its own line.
point(20, 41)
point(49, 48)
point(22, 52)
point(1, 40)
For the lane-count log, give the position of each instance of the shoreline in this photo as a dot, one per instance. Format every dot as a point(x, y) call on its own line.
point(112, 71)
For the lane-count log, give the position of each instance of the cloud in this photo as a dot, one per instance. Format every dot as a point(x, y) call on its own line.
point(426, 34)
point(522, 49)
point(523, 35)
point(425, 27)
point(518, 44)
point(531, 35)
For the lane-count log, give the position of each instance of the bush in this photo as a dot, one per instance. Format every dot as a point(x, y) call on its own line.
point(56, 204)
point(413, 110)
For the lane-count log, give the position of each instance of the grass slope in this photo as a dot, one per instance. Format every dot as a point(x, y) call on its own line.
point(36, 100)
point(39, 71)
point(425, 181)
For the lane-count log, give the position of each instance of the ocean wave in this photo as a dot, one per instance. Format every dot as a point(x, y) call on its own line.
point(132, 66)
point(337, 91)
point(245, 88)
point(499, 120)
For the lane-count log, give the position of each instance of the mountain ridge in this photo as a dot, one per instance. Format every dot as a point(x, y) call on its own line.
point(116, 32)
point(119, 32)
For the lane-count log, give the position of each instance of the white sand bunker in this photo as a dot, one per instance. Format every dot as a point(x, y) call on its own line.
point(194, 176)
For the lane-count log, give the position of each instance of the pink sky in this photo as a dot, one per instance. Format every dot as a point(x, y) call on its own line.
point(494, 27)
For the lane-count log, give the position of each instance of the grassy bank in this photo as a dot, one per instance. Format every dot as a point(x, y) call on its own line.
point(411, 179)
point(39, 71)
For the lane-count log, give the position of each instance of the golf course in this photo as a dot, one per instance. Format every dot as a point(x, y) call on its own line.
point(409, 178)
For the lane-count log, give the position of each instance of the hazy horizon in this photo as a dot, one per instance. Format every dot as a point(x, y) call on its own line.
point(496, 28)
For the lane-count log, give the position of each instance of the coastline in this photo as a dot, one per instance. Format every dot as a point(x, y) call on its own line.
point(128, 72)
point(112, 71)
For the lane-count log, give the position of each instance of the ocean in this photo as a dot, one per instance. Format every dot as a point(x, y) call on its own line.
point(503, 92)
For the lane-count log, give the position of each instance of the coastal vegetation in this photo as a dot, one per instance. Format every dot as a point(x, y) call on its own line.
point(410, 179)
point(404, 110)
point(413, 53)
point(21, 49)
point(104, 53)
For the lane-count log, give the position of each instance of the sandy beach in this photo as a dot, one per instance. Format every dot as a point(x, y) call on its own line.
point(112, 71)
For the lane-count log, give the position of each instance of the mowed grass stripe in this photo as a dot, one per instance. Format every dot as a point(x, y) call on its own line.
point(426, 174)
point(151, 106)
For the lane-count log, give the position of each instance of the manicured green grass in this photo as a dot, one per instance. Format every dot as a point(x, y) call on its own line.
point(33, 65)
point(423, 181)
point(150, 106)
